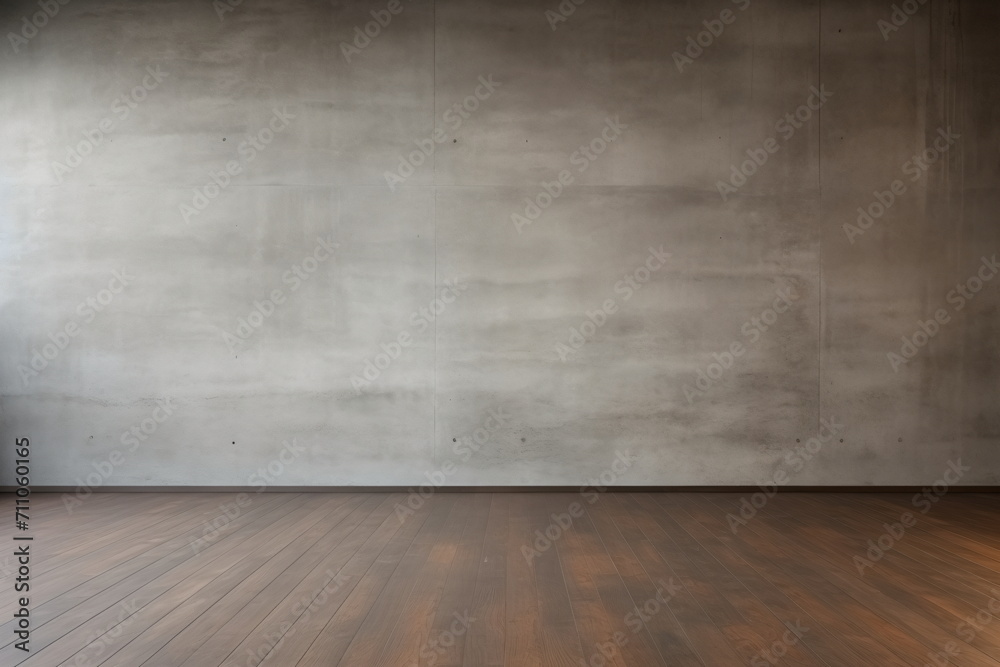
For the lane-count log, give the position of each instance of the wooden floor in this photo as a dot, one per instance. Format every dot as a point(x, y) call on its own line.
point(469, 579)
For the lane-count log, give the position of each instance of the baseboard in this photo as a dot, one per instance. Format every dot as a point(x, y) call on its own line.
point(503, 489)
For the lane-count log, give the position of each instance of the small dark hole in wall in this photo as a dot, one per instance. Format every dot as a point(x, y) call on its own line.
point(454, 439)
point(841, 439)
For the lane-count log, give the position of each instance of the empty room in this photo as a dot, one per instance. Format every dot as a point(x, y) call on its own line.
point(500, 333)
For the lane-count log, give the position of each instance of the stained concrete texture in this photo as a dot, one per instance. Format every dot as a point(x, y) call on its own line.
point(487, 243)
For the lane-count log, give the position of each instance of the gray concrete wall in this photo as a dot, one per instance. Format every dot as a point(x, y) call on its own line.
point(343, 309)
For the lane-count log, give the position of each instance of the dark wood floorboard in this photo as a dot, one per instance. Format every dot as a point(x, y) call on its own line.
point(508, 579)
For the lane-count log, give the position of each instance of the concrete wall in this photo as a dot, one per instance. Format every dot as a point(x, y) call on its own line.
point(251, 311)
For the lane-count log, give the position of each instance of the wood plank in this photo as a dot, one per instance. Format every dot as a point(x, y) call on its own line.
point(319, 637)
point(73, 631)
point(233, 642)
point(416, 610)
point(561, 642)
point(486, 642)
point(822, 578)
point(461, 580)
point(281, 572)
point(320, 579)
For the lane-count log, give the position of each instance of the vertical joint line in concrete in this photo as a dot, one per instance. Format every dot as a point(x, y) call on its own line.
point(434, 50)
point(434, 396)
point(434, 358)
point(819, 175)
point(819, 113)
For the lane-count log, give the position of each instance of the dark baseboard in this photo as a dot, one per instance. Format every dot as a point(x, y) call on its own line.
point(503, 489)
